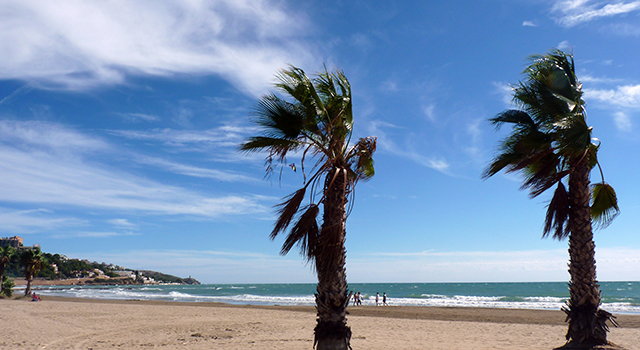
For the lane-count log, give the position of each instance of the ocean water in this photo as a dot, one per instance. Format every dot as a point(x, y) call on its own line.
point(617, 297)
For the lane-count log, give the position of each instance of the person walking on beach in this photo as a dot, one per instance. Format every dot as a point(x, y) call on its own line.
point(377, 299)
point(384, 299)
point(355, 298)
point(359, 299)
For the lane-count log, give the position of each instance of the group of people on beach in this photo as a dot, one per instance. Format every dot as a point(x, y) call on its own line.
point(357, 299)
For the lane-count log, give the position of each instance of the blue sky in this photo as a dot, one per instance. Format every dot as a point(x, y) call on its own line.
point(120, 122)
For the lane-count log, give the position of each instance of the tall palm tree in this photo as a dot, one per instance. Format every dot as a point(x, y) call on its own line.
point(316, 123)
point(6, 254)
point(32, 260)
point(551, 143)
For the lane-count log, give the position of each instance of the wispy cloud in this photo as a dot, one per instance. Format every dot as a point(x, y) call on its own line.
point(78, 45)
point(34, 221)
point(93, 234)
point(575, 12)
point(505, 91)
point(626, 96)
point(624, 100)
point(387, 144)
point(48, 137)
point(123, 223)
point(529, 24)
point(137, 117)
point(622, 120)
point(49, 164)
point(225, 136)
point(195, 171)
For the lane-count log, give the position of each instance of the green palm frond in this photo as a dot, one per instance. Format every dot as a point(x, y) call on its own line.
point(519, 119)
point(315, 119)
point(279, 118)
point(605, 204)
point(593, 155)
point(574, 136)
point(304, 234)
point(361, 158)
point(288, 209)
point(278, 146)
point(550, 131)
point(6, 254)
point(557, 214)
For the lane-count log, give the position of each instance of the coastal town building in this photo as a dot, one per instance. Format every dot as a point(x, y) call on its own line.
point(15, 242)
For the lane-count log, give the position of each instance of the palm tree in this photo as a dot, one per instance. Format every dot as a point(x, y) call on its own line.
point(32, 261)
point(6, 254)
point(551, 143)
point(317, 124)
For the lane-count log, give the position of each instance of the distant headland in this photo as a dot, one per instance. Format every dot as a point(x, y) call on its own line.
point(58, 269)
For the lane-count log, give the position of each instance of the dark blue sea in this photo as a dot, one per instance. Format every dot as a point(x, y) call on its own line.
point(617, 297)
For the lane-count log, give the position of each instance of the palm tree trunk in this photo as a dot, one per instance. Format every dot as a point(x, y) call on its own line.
point(1, 278)
point(332, 332)
point(587, 323)
point(29, 278)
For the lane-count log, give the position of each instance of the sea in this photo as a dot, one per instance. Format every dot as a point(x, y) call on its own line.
point(617, 297)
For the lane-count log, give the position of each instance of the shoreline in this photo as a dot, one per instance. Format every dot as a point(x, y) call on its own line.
point(434, 313)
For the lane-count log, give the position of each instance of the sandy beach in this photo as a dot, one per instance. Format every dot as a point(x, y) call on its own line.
point(68, 323)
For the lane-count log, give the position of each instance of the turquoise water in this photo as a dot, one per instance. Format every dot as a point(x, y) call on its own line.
point(617, 297)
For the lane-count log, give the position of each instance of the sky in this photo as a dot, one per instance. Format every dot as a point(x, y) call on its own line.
point(120, 124)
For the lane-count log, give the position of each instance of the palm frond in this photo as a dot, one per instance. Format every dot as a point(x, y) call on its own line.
point(277, 145)
point(305, 234)
point(279, 118)
point(287, 210)
point(605, 204)
point(557, 214)
point(513, 116)
point(574, 136)
point(362, 154)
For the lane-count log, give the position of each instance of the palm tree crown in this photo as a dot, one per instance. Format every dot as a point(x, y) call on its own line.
point(32, 260)
point(6, 254)
point(551, 144)
point(550, 134)
point(316, 123)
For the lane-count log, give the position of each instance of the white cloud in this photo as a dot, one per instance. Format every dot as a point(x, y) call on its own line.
point(529, 24)
point(622, 120)
point(505, 91)
point(34, 221)
point(224, 136)
point(47, 136)
point(625, 96)
point(123, 223)
point(194, 171)
point(387, 144)
point(136, 117)
point(429, 111)
point(624, 100)
point(46, 164)
point(574, 12)
point(565, 46)
point(585, 78)
point(93, 234)
point(81, 44)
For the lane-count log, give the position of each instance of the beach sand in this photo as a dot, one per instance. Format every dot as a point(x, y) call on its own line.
point(69, 323)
